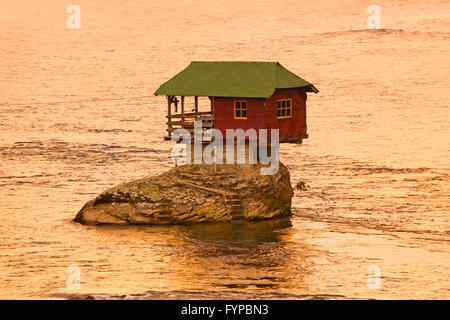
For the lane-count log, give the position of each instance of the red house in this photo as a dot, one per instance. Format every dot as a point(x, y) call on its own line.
point(243, 95)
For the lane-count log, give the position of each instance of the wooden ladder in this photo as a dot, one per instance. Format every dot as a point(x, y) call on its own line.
point(234, 205)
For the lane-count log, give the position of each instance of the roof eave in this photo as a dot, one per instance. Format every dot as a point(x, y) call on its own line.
point(313, 88)
point(211, 95)
point(308, 87)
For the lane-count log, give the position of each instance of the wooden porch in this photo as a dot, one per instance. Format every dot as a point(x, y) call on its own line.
point(178, 118)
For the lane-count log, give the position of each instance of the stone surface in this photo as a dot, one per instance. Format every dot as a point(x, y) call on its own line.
point(194, 194)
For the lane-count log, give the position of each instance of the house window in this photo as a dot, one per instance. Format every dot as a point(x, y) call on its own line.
point(284, 108)
point(240, 109)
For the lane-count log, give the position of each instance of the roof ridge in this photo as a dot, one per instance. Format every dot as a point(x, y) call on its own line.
point(235, 61)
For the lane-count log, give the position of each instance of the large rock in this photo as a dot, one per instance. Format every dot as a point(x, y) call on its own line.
point(194, 194)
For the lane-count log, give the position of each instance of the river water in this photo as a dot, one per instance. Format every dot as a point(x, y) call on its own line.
point(78, 115)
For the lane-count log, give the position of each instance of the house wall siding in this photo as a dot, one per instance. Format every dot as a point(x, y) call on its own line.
point(262, 114)
point(224, 114)
point(290, 128)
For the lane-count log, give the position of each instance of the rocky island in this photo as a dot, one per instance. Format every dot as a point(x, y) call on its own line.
point(194, 194)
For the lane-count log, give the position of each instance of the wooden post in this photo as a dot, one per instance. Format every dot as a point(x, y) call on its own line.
point(169, 113)
point(215, 159)
point(196, 108)
point(212, 106)
point(182, 111)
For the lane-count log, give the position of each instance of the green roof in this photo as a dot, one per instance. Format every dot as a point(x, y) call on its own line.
point(232, 79)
